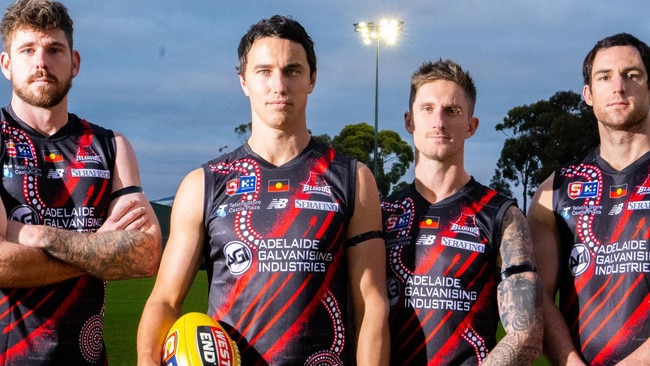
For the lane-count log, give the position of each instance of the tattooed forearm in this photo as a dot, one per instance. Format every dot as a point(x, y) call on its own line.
point(519, 296)
point(110, 255)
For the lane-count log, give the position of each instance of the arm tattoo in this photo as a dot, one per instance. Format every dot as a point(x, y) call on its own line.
point(519, 295)
point(119, 254)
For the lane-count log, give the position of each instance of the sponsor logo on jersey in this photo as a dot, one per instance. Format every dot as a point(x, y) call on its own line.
point(10, 170)
point(645, 187)
point(241, 185)
point(278, 185)
point(221, 210)
point(565, 213)
point(24, 214)
point(577, 190)
point(317, 205)
point(466, 224)
point(86, 154)
point(55, 173)
point(462, 244)
point(397, 222)
point(429, 222)
point(638, 205)
point(52, 156)
point(277, 203)
point(426, 240)
point(238, 257)
point(579, 259)
point(393, 287)
point(618, 191)
point(6, 171)
point(90, 173)
point(616, 209)
point(19, 150)
point(317, 185)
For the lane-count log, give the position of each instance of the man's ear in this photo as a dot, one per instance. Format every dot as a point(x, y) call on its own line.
point(408, 122)
point(5, 64)
point(586, 94)
point(472, 126)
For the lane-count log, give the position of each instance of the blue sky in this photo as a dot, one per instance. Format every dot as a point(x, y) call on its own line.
point(162, 72)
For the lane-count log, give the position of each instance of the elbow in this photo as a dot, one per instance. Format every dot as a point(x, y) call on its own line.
point(152, 260)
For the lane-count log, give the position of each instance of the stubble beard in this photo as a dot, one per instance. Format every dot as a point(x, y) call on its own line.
point(46, 96)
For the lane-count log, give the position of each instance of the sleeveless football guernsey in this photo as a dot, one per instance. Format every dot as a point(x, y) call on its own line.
point(602, 216)
point(276, 254)
point(63, 181)
point(442, 275)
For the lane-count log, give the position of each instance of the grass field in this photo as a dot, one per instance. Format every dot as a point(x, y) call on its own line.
point(124, 303)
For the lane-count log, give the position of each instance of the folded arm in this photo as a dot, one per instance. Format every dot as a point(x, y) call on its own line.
point(128, 245)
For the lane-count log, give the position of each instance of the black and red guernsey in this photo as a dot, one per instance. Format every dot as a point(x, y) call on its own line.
point(63, 181)
point(602, 216)
point(442, 275)
point(276, 254)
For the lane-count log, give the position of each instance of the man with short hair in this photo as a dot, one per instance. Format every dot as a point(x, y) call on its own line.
point(289, 229)
point(459, 253)
point(72, 193)
point(590, 225)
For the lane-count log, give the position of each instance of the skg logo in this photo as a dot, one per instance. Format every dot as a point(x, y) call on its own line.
point(579, 260)
point(238, 257)
point(398, 222)
point(577, 190)
point(277, 203)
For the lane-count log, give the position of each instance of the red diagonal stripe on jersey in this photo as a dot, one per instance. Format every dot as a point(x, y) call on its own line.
point(36, 336)
point(629, 330)
point(613, 311)
point(451, 344)
point(423, 344)
point(587, 305)
point(257, 298)
point(281, 311)
point(306, 315)
point(11, 326)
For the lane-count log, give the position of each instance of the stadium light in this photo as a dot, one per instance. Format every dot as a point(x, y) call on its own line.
point(385, 30)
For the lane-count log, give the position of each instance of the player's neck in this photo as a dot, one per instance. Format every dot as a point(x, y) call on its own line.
point(622, 148)
point(46, 121)
point(436, 182)
point(278, 148)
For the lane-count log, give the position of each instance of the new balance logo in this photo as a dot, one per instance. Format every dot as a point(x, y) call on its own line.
point(277, 203)
point(55, 173)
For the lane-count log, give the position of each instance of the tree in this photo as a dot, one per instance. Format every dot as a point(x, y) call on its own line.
point(541, 137)
point(395, 155)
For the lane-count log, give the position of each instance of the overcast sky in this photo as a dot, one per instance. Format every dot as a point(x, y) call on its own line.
point(162, 72)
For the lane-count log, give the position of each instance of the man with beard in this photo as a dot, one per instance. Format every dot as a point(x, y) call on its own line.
point(72, 193)
point(589, 221)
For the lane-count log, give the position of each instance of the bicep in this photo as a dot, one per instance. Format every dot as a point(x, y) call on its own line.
point(545, 235)
point(126, 172)
point(182, 254)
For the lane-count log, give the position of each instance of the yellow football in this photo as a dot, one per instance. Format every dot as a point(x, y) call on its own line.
point(196, 339)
